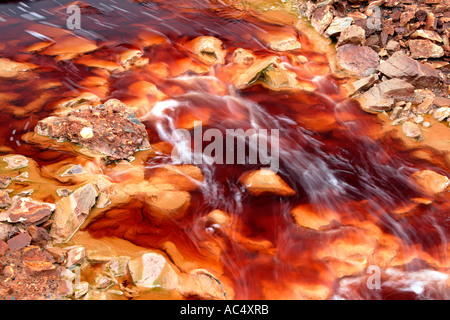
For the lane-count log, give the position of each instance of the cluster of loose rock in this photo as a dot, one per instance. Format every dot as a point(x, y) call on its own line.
point(397, 50)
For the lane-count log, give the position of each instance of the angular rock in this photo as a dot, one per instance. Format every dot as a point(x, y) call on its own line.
point(29, 211)
point(4, 181)
point(152, 270)
point(264, 181)
point(208, 49)
point(338, 25)
point(5, 200)
point(399, 65)
point(19, 241)
point(72, 211)
point(361, 85)
point(73, 170)
point(442, 113)
point(37, 260)
point(116, 132)
point(412, 130)
point(382, 96)
point(427, 34)
point(39, 236)
point(75, 256)
point(358, 60)
point(425, 49)
point(430, 181)
point(16, 162)
point(281, 41)
point(3, 248)
point(322, 18)
point(353, 34)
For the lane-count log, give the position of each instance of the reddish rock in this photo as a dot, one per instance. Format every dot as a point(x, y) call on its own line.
point(4, 181)
point(37, 260)
point(3, 248)
point(359, 60)
point(353, 34)
point(29, 211)
point(111, 129)
point(424, 49)
point(20, 241)
point(5, 200)
point(39, 236)
point(322, 18)
point(399, 65)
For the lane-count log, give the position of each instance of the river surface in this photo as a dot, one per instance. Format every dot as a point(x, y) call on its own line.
point(331, 153)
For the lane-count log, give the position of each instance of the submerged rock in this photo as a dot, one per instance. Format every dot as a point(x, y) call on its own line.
point(16, 161)
point(110, 129)
point(265, 181)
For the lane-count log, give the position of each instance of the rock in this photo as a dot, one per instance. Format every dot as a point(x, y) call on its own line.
point(3, 248)
point(361, 85)
point(264, 181)
point(16, 162)
point(181, 177)
point(269, 72)
point(37, 260)
point(103, 282)
point(167, 204)
point(80, 290)
point(279, 41)
point(29, 211)
point(205, 285)
point(442, 113)
point(4, 181)
point(307, 216)
point(116, 132)
point(12, 69)
point(338, 25)
point(322, 18)
point(358, 60)
point(39, 236)
point(19, 241)
point(58, 254)
point(243, 56)
point(208, 49)
point(75, 255)
point(381, 97)
point(430, 181)
point(72, 211)
point(128, 57)
point(424, 49)
point(399, 65)
point(352, 35)
point(69, 46)
point(63, 192)
point(73, 170)
point(427, 34)
point(4, 231)
point(5, 200)
point(393, 45)
point(412, 130)
point(441, 102)
point(118, 266)
point(151, 270)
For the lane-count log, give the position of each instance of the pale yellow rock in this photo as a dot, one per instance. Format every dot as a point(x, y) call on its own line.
point(12, 69)
point(265, 181)
point(151, 270)
point(430, 181)
point(243, 56)
point(208, 49)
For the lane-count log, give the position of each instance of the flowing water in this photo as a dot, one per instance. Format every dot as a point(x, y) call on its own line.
point(331, 153)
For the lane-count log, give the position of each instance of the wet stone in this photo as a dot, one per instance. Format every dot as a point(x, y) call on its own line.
point(29, 211)
point(16, 161)
point(106, 129)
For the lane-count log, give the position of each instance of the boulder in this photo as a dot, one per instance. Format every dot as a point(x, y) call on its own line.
point(265, 181)
point(430, 182)
point(72, 211)
point(111, 129)
point(357, 60)
point(151, 270)
point(29, 211)
point(399, 65)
